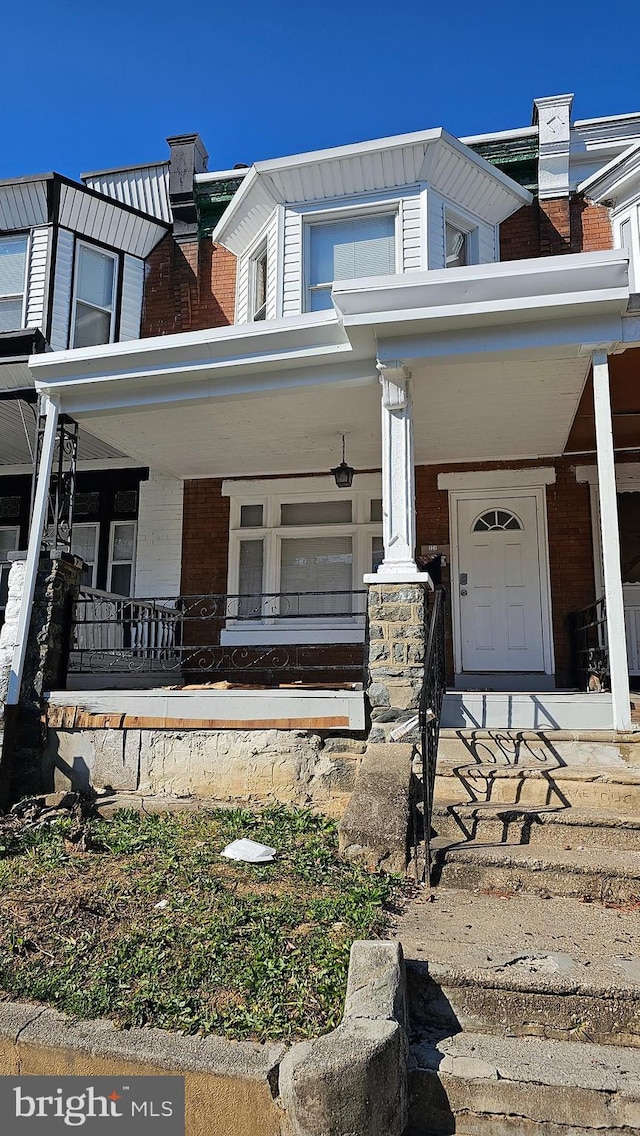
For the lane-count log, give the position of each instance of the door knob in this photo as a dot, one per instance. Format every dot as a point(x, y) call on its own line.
point(463, 591)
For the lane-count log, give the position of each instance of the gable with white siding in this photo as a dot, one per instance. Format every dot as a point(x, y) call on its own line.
point(132, 291)
point(62, 282)
point(37, 277)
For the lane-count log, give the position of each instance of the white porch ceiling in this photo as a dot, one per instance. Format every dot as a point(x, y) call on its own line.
point(463, 411)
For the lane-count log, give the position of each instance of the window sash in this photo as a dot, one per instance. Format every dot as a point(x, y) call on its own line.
point(347, 250)
point(119, 563)
point(88, 296)
point(13, 280)
point(80, 547)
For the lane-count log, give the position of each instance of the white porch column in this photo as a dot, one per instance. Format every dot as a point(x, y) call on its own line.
point(609, 528)
point(40, 504)
point(398, 481)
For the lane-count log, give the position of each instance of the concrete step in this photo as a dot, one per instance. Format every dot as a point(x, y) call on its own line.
point(614, 790)
point(548, 825)
point(522, 965)
point(482, 1085)
point(602, 875)
point(527, 709)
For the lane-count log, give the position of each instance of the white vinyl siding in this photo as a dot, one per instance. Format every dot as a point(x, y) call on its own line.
point(487, 243)
point(412, 240)
point(626, 235)
point(246, 278)
point(36, 287)
point(482, 245)
point(132, 292)
point(61, 307)
point(242, 285)
point(435, 230)
point(159, 547)
point(292, 282)
point(272, 267)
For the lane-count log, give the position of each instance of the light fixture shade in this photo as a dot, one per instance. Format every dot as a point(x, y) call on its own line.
point(343, 474)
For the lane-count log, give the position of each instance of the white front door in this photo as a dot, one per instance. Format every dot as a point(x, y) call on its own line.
point(499, 584)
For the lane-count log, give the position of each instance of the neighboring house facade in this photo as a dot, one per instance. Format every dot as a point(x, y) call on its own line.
point(474, 296)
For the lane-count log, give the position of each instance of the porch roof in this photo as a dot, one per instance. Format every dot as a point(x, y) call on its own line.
point(499, 354)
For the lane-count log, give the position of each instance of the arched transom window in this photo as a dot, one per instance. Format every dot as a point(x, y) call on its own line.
point(496, 520)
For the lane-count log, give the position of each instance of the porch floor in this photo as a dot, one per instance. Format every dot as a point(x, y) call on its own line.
point(206, 708)
point(527, 710)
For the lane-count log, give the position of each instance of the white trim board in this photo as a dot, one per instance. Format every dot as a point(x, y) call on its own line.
point(502, 479)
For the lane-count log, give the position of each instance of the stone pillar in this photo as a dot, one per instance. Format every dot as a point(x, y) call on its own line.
point(46, 662)
point(397, 614)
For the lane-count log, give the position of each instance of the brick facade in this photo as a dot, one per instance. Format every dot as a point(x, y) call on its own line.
point(550, 228)
point(205, 538)
point(570, 542)
point(189, 286)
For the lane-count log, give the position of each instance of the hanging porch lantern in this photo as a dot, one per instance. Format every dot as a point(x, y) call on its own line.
point(343, 473)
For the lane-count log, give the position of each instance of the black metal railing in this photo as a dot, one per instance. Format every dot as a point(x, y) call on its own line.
point(589, 648)
point(234, 637)
point(429, 714)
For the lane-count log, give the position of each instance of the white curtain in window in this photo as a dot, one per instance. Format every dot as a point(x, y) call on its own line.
point(13, 256)
point(95, 277)
point(317, 564)
point(346, 250)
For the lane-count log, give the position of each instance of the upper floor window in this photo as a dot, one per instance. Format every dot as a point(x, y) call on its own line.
point(627, 229)
point(457, 246)
point(13, 272)
point(259, 284)
point(94, 297)
point(347, 250)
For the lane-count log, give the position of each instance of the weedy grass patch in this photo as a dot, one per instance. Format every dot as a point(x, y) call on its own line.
point(154, 928)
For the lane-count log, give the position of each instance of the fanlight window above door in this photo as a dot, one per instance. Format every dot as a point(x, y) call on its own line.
point(496, 520)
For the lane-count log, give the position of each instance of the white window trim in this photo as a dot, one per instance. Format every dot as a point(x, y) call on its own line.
point(261, 251)
point(359, 211)
point(15, 529)
point(318, 629)
point(132, 562)
point(25, 283)
point(630, 213)
point(75, 298)
point(95, 525)
point(468, 225)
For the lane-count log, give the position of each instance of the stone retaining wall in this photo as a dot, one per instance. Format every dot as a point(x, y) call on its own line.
point(292, 766)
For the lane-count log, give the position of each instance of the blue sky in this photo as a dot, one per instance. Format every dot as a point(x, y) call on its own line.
point(86, 86)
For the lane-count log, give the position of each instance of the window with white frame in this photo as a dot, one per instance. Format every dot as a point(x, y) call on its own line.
point(258, 284)
point(626, 229)
point(122, 551)
point(345, 250)
point(13, 275)
point(93, 319)
point(84, 543)
point(461, 240)
point(297, 558)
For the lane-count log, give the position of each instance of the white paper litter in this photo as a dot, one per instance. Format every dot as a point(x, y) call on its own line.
point(161, 905)
point(249, 851)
